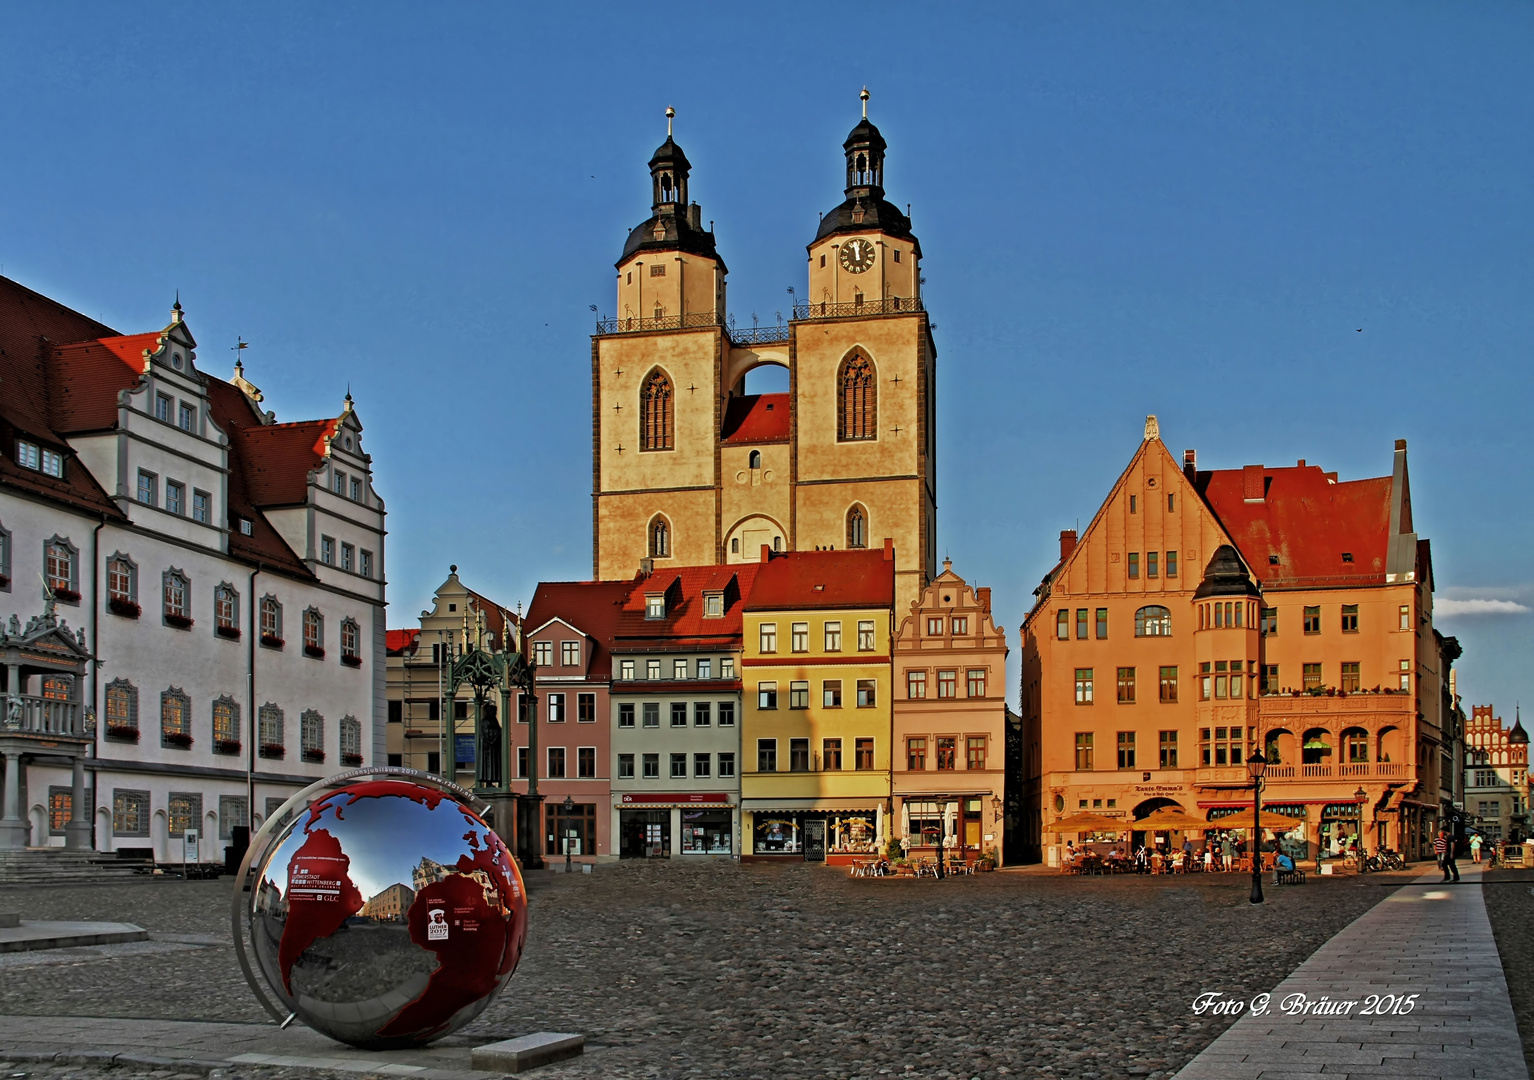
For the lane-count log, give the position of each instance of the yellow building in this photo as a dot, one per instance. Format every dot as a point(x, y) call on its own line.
point(815, 731)
point(690, 470)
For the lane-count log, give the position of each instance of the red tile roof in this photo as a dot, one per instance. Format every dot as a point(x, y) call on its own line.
point(685, 625)
point(396, 642)
point(824, 579)
point(756, 418)
point(61, 373)
point(1308, 519)
point(593, 607)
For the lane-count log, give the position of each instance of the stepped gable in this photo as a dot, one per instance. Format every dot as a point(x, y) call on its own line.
point(1307, 518)
point(756, 418)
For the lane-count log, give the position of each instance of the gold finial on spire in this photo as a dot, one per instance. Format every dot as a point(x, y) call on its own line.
point(670, 116)
point(864, 97)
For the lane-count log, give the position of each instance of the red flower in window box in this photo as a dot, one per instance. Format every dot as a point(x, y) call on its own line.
point(230, 632)
point(351, 661)
point(273, 750)
point(317, 756)
point(226, 746)
point(351, 759)
point(316, 651)
point(121, 605)
point(122, 733)
point(180, 622)
point(69, 596)
point(272, 641)
point(176, 738)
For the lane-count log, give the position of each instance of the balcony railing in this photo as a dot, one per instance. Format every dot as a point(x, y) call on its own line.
point(665, 322)
point(759, 335)
point(1376, 770)
point(32, 714)
point(890, 305)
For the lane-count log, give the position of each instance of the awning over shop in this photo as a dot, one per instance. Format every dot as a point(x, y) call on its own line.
point(662, 800)
point(791, 806)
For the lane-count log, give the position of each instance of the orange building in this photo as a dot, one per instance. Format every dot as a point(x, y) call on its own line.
point(1204, 615)
point(950, 717)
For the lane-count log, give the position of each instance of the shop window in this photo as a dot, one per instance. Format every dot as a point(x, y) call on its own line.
point(573, 831)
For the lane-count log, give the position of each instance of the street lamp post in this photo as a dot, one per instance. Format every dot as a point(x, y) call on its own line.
point(1256, 766)
point(1360, 797)
point(522, 673)
point(569, 805)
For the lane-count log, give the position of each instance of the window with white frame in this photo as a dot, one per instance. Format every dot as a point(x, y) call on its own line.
point(543, 653)
point(271, 621)
point(570, 653)
point(226, 611)
point(366, 568)
point(177, 593)
point(351, 741)
point(175, 719)
point(356, 489)
point(28, 455)
point(311, 734)
point(122, 584)
point(269, 723)
point(679, 669)
point(148, 488)
point(187, 418)
point(327, 550)
point(351, 640)
point(556, 708)
point(201, 506)
point(61, 568)
point(175, 497)
point(162, 407)
point(348, 557)
point(314, 633)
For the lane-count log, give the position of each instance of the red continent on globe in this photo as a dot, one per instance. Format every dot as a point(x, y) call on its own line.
point(320, 898)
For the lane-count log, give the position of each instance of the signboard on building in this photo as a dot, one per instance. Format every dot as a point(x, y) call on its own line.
point(463, 746)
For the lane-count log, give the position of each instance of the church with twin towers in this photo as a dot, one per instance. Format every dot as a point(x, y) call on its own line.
point(688, 469)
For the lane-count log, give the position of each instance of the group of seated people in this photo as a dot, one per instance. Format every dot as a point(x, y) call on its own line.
point(1209, 857)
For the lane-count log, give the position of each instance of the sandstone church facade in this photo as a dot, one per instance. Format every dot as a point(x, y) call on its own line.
point(688, 469)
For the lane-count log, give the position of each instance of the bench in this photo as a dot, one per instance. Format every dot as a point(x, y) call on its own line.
point(1289, 877)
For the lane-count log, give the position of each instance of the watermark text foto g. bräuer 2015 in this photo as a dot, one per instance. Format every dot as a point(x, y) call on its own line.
point(1213, 1003)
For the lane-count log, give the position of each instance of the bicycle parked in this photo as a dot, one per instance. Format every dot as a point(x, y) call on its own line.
point(1385, 860)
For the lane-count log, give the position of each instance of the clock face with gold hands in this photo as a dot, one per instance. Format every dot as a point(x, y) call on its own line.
point(857, 255)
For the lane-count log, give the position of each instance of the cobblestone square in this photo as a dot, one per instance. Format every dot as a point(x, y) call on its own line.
point(723, 969)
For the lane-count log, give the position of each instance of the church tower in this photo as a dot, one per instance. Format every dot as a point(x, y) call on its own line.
point(689, 469)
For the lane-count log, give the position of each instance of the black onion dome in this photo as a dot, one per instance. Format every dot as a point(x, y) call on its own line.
point(1518, 736)
point(1226, 576)
point(865, 208)
point(670, 153)
point(669, 231)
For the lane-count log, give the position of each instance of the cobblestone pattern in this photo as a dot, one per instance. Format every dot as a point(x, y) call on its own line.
point(90, 1066)
point(786, 972)
point(1510, 907)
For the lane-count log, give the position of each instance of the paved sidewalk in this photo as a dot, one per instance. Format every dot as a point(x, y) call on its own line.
point(1427, 938)
point(189, 1046)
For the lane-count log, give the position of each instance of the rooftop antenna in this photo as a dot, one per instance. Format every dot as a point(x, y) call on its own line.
point(864, 97)
point(670, 115)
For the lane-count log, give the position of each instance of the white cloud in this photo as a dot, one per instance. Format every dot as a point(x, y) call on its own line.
point(1478, 606)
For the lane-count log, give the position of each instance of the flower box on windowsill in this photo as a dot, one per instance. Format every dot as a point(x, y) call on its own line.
point(351, 661)
point(230, 632)
point(226, 746)
point(272, 641)
point(315, 651)
point(179, 739)
point(316, 756)
point(273, 750)
point(122, 733)
point(180, 622)
point(67, 596)
point(121, 605)
point(352, 760)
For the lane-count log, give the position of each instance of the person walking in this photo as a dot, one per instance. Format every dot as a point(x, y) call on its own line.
point(1443, 847)
point(1475, 848)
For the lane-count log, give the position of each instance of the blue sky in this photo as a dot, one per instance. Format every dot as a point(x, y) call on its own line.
point(1188, 210)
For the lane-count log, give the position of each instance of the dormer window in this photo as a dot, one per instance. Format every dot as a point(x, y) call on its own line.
point(713, 605)
point(655, 605)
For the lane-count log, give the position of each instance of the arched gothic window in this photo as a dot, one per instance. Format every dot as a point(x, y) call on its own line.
point(656, 416)
point(858, 400)
point(660, 538)
point(857, 527)
point(1153, 621)
point(756, 459)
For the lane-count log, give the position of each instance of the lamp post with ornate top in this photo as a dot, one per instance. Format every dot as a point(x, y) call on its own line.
point(1256, 766)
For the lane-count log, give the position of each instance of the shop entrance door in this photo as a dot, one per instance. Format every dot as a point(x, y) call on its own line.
point(815, 841)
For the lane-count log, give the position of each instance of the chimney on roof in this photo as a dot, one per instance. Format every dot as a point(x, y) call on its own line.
point(984, 596)
point(646, 567)
point(889, 549)
point(766, 552)
point(1253, 484)
point(1067, 543)
point(1190, 464)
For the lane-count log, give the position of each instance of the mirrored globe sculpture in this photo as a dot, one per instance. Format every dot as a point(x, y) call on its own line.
point(385, 914)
